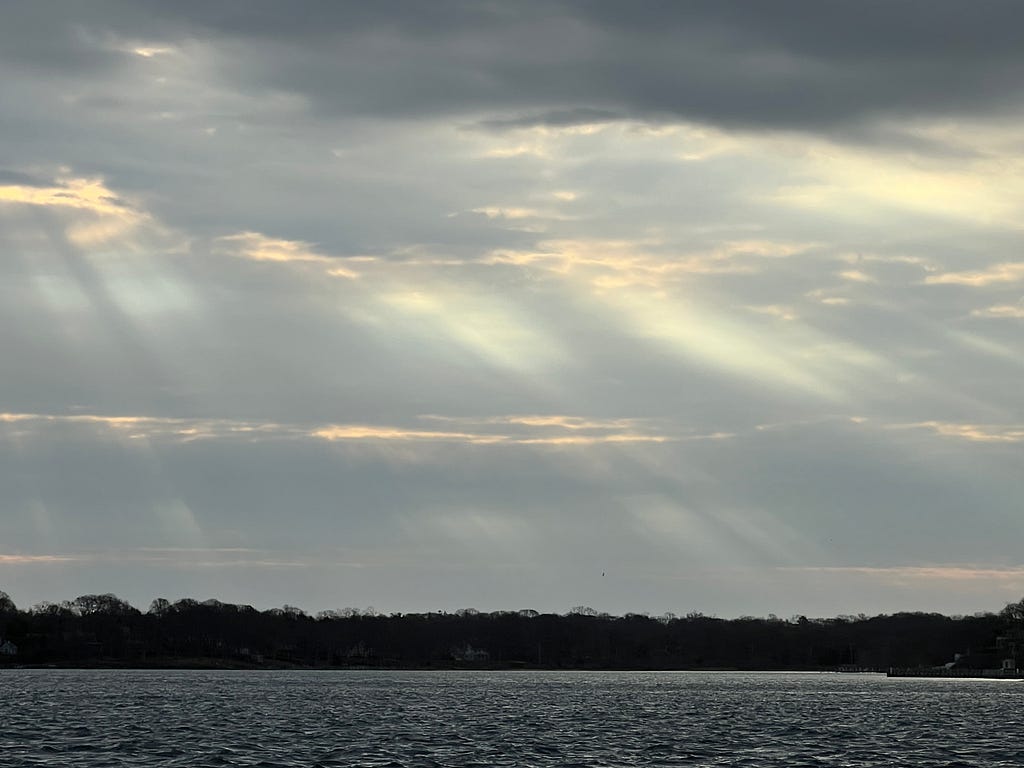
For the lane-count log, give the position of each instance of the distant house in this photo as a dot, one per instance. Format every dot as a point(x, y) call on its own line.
point(469, 653)
point(972, 660)
point(7, 648)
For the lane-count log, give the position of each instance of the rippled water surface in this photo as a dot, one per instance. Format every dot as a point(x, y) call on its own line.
point(115, 718)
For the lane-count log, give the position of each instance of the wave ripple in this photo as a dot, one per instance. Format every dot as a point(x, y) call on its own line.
point(101, 719)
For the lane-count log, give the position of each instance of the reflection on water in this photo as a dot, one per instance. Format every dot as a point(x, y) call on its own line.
point(129, 718)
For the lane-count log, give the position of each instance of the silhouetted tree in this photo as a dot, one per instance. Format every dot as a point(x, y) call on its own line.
point(1013, 613)
point(7, 605)
point(103, 629)
point(159, 607)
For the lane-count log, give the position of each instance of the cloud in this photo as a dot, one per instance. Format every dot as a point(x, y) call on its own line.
point(731, 63)
point(85, 194)
point(1009, 272)
point(558, 421)
point(9, 178)
point(856, 276)
point(336, 432)
point(551, 430)
point(148, 427)
point(1014, 311)
point(610, 265)
point(532, 436)
point(775, 310)
point(259, 247)
point(467, 272)
point(951, 574)
point(178, 557)
point(977, 433)
point(18, 559)
point(107, 216)
point(917, 587)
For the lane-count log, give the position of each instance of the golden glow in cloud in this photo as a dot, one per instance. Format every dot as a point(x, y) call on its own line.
point(1010, 272)
point(1015, 311)
point(364, 432)
point(15, 559)
point(857, 276)
point(612, 264)
point(107, 216)
point(181, 557)
point(976, 433)
point(953, 574)
point(149, 51)
point(84, 194)
point(554, 430)
point(348, 432)
point(546, 420)
point(499, 212)
point(258, 247)
point(680, 142)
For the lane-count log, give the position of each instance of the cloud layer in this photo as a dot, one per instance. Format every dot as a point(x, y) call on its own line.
point(465, 304)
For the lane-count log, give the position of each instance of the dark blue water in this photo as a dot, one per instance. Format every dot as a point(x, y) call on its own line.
point(119, 718)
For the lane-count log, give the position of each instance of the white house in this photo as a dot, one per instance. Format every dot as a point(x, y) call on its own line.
point(7, 648)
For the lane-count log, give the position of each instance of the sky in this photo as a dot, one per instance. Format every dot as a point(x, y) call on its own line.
point(648, 307)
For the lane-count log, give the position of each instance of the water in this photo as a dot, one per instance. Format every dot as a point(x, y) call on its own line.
point(90, 719)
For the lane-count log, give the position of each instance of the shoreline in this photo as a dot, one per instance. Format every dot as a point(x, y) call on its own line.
point(218, 665)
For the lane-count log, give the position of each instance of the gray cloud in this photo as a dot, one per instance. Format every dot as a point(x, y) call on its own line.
point(800, 64)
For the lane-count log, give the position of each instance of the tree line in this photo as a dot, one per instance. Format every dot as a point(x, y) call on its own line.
point(103, 630)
